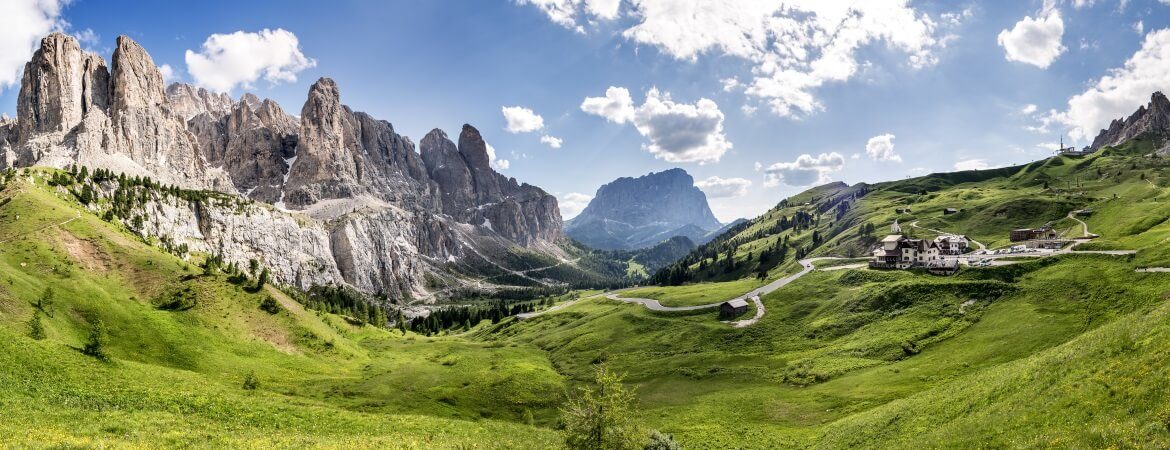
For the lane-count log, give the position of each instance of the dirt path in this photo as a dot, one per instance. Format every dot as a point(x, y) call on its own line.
point(38, 230)
point(1084, 226)
point(914, 224)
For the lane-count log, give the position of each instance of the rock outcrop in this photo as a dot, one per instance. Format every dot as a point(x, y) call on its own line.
point(1152, 118)
point(633, 213)
point(473, 192)
point(352, 202)
point(72, 109)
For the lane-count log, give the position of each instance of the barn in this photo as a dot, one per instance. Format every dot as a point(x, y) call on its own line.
point(732, 308)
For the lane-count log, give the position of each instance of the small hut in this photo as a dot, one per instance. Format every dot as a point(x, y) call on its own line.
point(732, 308)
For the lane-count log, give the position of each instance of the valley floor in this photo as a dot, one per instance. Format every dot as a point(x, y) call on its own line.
point(1066, 351)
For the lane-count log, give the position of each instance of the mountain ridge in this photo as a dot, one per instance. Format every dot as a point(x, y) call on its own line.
point(382, 219)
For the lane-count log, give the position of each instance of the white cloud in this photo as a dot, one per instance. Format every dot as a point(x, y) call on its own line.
point(678, 132)
point(565, 12)
point(716, 187)
point(757, 166)
point(573, 203)
point(881, 148)
point(551, 141)
point(498, 164)
point(521, 119)
point(617, 106)
point(972, 164)
point(1028, 109)
point(1034, 41)
point(1139, 27)
point(168, 73)
point(1119, 93)
point(794, 46)
point(88, 38)
point(22, 25)
point(239, 59)
point(806, 170)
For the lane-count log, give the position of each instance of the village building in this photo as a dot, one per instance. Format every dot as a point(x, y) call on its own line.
point(1033, 234)
point(951, 244)
point(900, 252)
point(732, 308)
point(949, 211)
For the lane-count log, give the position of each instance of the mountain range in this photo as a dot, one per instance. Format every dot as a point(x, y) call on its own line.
point(339, 197)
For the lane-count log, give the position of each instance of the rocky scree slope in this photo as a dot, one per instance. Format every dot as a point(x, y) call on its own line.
point(345, 198)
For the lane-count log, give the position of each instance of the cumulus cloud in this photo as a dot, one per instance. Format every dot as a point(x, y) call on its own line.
point(794, 46)
point(22, 25)
point(573, 203)
point(806, 170)
point(1034, 41)
point(1120, 92)
point(617, 106)
point(551, 141)
point(1028, 109)
point(521, 119)
point(239, 59)
point(168, 73)
point(496, 163)
point(881, 148)
point(716, 187)
point(972, 164)
point(677, 132)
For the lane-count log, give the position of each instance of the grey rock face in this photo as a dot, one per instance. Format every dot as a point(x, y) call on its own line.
point(354, 202)
point(72, 109)
point(632, 213)
point(1152, 118)
point(189, 101)
point(343, 154)
point(473, 192)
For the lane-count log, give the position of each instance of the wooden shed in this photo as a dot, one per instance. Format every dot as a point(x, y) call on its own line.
point(732, 308)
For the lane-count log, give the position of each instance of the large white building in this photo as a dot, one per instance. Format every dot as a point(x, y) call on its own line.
point(900, 252)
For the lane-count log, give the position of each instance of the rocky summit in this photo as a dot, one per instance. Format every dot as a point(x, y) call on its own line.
point(1153, 118)
point(342, 197)
point(632, 213)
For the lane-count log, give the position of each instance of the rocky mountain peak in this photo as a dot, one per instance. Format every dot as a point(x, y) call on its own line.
point(60, 86)
point(1150, 118)
point(137, 82)
point(473, 148)
point(631, 213)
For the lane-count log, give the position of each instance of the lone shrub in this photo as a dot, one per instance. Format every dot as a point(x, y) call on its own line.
point(251, 383)
point(659, 441)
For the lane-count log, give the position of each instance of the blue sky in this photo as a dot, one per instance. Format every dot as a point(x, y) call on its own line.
point(924, 86)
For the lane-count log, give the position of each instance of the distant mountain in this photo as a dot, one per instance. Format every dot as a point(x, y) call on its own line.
point(1153, 118)
point(633, 213)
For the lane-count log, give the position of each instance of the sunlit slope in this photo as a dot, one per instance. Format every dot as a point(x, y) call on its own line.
point(181, 343)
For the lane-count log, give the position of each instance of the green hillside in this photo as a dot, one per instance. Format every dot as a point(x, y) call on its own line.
point(175, 375)
point(1063, 351)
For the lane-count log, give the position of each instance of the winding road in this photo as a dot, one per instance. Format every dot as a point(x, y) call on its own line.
point(753, 295)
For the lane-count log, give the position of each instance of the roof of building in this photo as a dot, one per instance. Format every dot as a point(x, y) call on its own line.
point(892, 238)
point(737, 303)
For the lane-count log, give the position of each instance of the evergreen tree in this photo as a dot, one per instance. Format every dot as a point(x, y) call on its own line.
point(44, 304)
point(36, 329)
point(98, 338)
point(602, 417)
